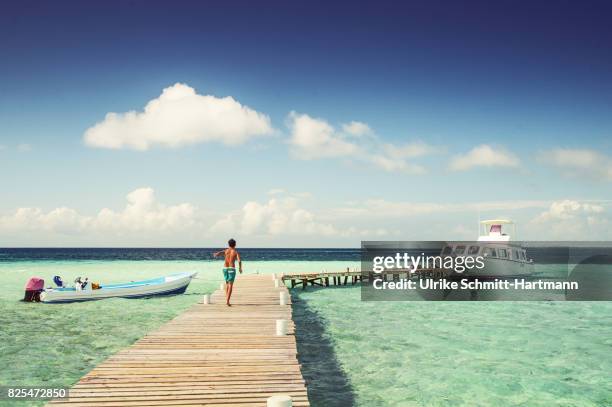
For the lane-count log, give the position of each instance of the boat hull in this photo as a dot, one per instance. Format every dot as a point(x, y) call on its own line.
point(170, 285)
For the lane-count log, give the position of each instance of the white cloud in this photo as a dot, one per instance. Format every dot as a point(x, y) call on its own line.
point(536, 220)
point(572, 220)
point(381, 208)
point(580, 162)
point(285, 219)
point(178, 117)
point(144, 220)
point(141, 214)
point(278, 216)
point(314, 138)
point(396, 157)
point(484, 156)
point(569, 210)
point(357, 129)
point(61, 220)
point(144, 213)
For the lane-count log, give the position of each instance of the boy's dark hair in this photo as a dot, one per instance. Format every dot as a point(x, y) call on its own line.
point(231, 243)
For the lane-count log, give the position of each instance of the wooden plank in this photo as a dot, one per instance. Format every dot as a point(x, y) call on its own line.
point(211, 355)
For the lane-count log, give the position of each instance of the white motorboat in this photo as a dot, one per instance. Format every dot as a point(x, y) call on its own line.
point(502, 257)
point(168, 285)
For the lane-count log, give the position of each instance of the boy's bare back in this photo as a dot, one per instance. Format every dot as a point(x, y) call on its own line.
point(231, 255)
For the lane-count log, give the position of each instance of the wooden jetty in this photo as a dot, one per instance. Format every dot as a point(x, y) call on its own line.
point(333, 278)
point(210, 355)
point(323, 278)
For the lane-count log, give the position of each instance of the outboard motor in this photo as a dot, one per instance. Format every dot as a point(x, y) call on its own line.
point(58, 281)
point(33, 288)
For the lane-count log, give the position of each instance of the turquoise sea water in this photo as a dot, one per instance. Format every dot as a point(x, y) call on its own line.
point(55, 344)
point(361, 353)
point(464, 353)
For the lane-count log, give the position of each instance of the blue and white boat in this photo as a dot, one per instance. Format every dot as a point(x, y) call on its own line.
point(168, 285)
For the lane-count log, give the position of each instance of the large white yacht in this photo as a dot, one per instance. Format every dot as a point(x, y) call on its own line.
point(502, 258)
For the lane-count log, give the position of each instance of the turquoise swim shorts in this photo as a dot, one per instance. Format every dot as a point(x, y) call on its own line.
point(229, 274)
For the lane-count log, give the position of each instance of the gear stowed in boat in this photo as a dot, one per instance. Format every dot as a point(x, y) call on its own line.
point(83, 291)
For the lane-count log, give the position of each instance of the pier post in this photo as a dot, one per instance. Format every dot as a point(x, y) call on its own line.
point(279, 401)
point(276, 283)
point(281, 327)
point(284, 298)
point(206, 298)
point(222, 286)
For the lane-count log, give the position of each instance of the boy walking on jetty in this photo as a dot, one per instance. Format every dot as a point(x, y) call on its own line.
point(229, 268)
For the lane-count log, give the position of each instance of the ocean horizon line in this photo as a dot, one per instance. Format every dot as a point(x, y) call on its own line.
point(172, 247)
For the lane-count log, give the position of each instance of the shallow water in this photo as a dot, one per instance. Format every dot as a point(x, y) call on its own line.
point(55, 344)
point(361, 353)
point(459, 353)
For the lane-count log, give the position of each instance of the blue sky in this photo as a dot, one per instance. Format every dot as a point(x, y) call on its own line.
point(503, 107)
